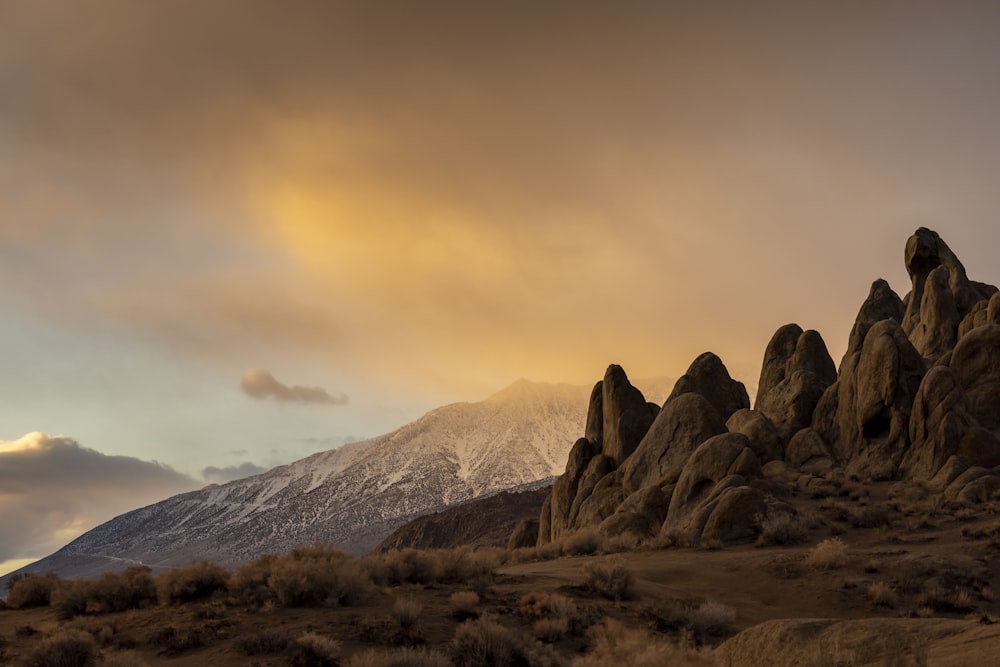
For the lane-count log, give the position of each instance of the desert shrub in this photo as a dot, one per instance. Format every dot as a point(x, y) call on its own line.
point(69, 648)
point(486, 643)
point(314, 650)
point(463, 604)
point(127, 659)
point(25, 631)
point(551, 629)
point(409, 566)
point(400, 657)
point(194, 582)
point(263, 642)
point(132, 589)
point(942, 600)
point(621, 543)
point(583, 542)
point(31, 590)
point(881, 594)
point(463, 565)
point(609, 579)
point(713, 618)
point(249, 584)
point(828, 554)
point(318, 576)
point(868, 517)
point(174, 641)
point(406, 612)
point(547, 605)
point(611, 643)
point(781, 528)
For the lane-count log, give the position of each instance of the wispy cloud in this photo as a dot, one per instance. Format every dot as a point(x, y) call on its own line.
point(54, 490)
point(217, 475)
point(260, 384)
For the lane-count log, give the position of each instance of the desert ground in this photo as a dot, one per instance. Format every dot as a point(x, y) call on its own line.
point(862, 574)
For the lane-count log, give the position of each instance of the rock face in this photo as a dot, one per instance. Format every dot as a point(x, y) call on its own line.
point(916, 397)
point(797, 370)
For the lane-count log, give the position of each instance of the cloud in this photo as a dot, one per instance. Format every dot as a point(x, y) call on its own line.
point(218, 475)
point(260, 384)
point(52, 490)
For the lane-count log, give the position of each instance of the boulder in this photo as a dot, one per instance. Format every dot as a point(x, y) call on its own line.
point(976, 364)
point(764, 437)
point(708, 465)
point(640, 515)
point(709, 377)
point(525, 535)
point(595, 416)
point(807, 448)
point(602, 502)
point(793, 378)
point(625, 416)
point(565, 488)
point(882, 304)
point(735, 516)
point(684, 423)
point(597, 469)
point(941, 295)
point(864, 416)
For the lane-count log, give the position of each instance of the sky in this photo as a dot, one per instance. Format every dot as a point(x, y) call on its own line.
point(237, 232)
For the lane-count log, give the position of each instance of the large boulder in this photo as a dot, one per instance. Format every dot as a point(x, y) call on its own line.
point(864, 416)
point(709, 377)
point(625, 416)
point(722, 462)
point(976, 363)
point(764, 437)
point(882, 304)
point(684, 423)
point(554, 519)
point(796, 371)
point(941, 296)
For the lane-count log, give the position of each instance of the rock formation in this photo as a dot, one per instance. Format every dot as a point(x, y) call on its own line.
point(916, 397)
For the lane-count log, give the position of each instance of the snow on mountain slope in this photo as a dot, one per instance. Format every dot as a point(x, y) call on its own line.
point(352, 496)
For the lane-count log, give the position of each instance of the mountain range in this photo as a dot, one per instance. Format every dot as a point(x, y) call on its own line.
point(351, 497)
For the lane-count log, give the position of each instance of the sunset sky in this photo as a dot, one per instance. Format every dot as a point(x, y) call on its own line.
point(236, 232)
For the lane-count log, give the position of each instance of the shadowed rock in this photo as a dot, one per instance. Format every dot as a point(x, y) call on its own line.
point(709, 377)
point(882, 304)
point(764, 437)
point(796, 371)
point(684, 423)
point(864, 416)
point(626, 416)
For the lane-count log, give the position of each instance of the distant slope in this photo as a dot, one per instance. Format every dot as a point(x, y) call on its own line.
point(353, 496)
point(486, 522)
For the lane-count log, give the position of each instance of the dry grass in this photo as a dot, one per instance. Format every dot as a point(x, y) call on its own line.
point(406, 612)
point(583, 542)
point(194, 582)
point(486, 643)
point(828, 554)
point(781, 529)
point(882, 594)
point(132, 589)
point(609, 579)
point(463, 604)
point(400, 657)
point(551, 629)
point(318, 577)
point(713, 618)
point(30, 590)
point(612, 643)
point(314, 650)
point(69, 648)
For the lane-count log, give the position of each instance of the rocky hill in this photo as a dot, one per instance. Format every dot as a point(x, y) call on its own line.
point(351, 497)
point(916, 399)
point(486, 522)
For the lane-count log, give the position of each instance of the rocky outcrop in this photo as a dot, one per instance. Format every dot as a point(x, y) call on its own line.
point(797, 370)
point(685, 422)
point(915, 398)
point(864, 416)
point(764, 437)
point(626, 416)
point(941, 296)
point(709, 377)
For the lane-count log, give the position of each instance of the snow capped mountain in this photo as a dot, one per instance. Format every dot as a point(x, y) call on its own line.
point(352, 496)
